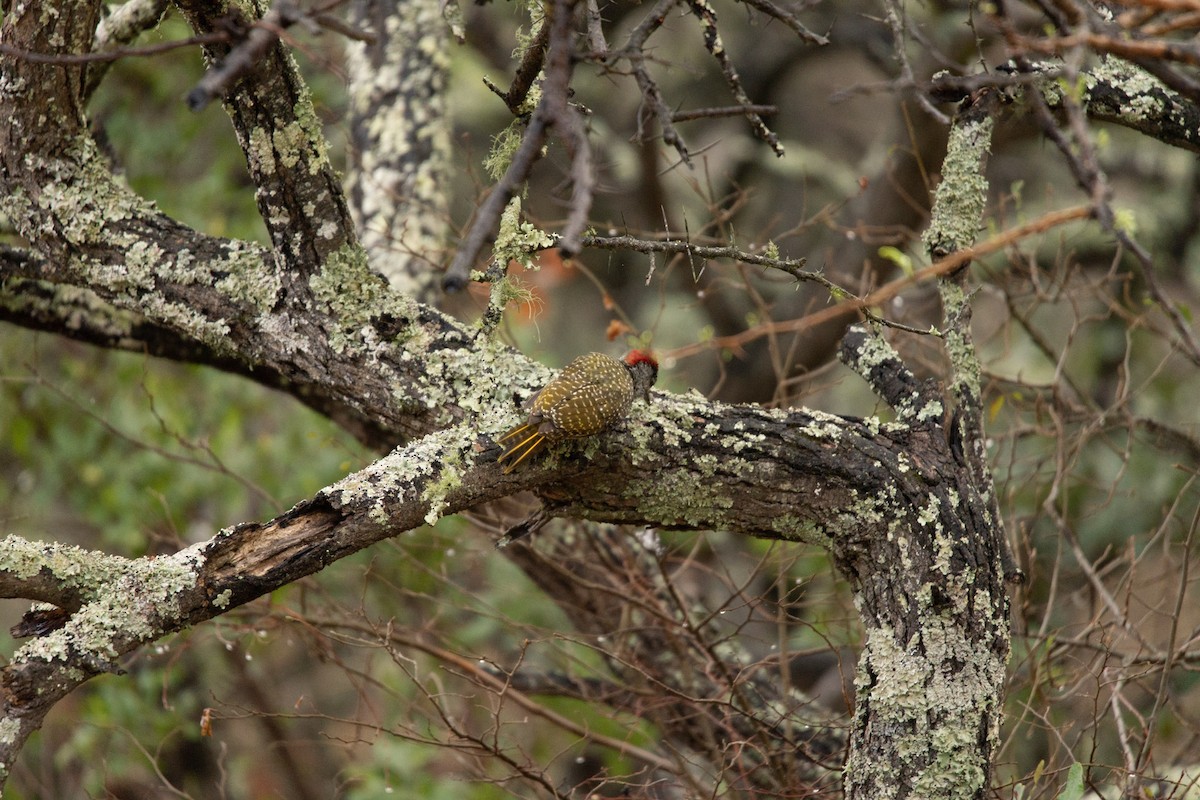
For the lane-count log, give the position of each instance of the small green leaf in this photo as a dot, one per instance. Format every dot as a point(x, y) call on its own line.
point(897, 257)
point(1073, 788)
point(994, 408)
point(1125, 219)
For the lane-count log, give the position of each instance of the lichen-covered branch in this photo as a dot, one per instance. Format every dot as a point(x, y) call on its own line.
point(1123, 93)
point(79, 314)
point(400, 155)
point(932, 599)
point(121, 26)
point(904, 514)
point(870, 355)
point(932, 593)
point(551, 112)
point(299, 193)
point(716, 48)
point(117, 605)
point(1080, 155)
point(303, 315)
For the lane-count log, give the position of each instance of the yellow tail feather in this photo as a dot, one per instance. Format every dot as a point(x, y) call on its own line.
point(522, 449)
point(513, 432)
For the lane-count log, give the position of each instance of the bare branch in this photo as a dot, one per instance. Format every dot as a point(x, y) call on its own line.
point(552, 110)
point(527, 71)
point(245, 54)
point(787, 18)
point(712, 41)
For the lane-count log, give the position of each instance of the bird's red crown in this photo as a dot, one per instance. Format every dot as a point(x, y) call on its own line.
point(635, 357)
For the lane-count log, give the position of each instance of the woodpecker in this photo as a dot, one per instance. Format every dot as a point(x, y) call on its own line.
point(592, 393)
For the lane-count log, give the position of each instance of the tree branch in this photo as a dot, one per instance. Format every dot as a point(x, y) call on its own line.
point(400, 141)
point(551, 111)
point(299, 193)
point(124, 604)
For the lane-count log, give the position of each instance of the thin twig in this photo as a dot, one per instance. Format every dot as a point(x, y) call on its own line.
point(484, 225)
point(634, 53)
point(722, 111)
point(787, 18)
point(555, 91)
point(113, 55)
point(527, 71)
point(949, 264)
point(793, 267)
point(716, 48)
point(565, 118)
point(1080, 154)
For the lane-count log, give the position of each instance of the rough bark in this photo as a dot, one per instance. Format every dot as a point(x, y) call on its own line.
point(401, 141)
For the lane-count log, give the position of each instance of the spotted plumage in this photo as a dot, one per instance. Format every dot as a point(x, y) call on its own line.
point(591, 393)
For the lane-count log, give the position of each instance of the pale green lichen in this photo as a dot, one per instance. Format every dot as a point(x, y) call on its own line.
point(952, 497)
point(297, 142)
point(873, 351)
point(247, 277)
point(142, 260)
point(76, 568)
point(675, 422)
point(504, 147)
point(447, 478)
point(823, 425)
point(1148, 97)
point(797, 529)
point(214, 333)
point(258, 147)
point(87, 204)
point(961, 196)
point(10, 729)
point(689, 496)
point(933, 410)
point(376, 483)
point(355, 296)
point(433, 465)
point(81, 197)
point(508, 289)
point(906, 698)
point(81, 194)
point(866, 512)
point(290, 144)
point(77, 309)
point(959, 346)
point(518, 241)
point(930, 512)
point(479, 383)
point(745, 440)
point(896, 533)
point(125, 600)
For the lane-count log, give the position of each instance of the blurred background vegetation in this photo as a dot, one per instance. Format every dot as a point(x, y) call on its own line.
point(364, 681)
